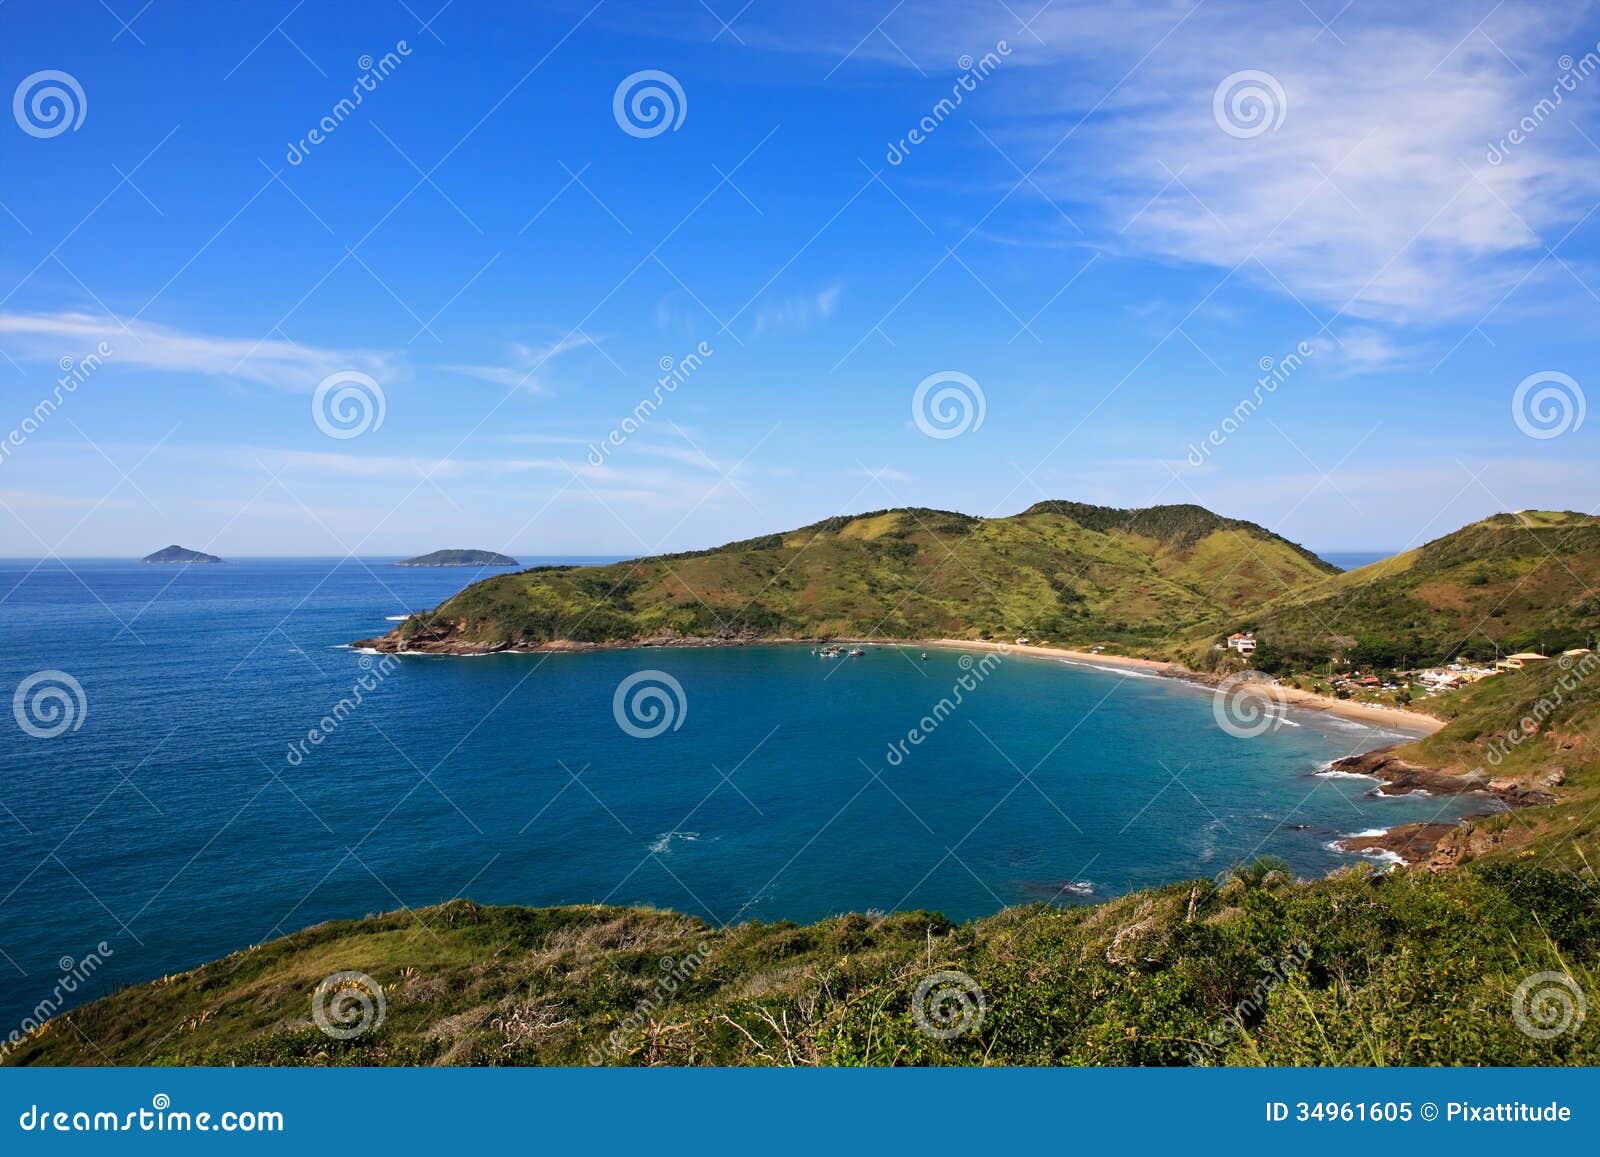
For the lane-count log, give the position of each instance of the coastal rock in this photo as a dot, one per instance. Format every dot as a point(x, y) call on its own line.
point(1413, 843)
point(1399, 777)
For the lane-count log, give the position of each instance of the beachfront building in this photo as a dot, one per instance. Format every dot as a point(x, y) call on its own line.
point(1242, 641)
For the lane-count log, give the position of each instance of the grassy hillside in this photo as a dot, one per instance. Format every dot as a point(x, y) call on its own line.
point(1514, 581)
point(1410, 968)
point(1061, 571)
point(1416, 967)
point(1535, 729)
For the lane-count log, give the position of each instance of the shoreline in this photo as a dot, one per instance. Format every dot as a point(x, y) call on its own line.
point(1412, 723)
point(1394, 718)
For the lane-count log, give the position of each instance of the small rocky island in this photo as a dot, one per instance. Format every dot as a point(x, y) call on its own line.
point(179, 554)
point(459, 558)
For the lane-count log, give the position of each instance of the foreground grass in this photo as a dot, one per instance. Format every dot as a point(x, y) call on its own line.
point(1408, 968)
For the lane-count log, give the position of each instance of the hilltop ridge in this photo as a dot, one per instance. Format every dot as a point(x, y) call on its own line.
point(1058, 570)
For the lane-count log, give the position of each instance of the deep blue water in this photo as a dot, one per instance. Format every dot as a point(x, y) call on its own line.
point(173, 824)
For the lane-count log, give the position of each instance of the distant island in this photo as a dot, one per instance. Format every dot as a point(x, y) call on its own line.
point(459, 558)
point(180, 554)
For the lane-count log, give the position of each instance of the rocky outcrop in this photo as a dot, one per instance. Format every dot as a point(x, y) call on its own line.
point(1398, 777)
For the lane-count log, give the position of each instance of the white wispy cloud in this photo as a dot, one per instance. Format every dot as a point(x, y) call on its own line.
point(523, 369)
point(269, 361)
point(798, 312)
point(1374, 197)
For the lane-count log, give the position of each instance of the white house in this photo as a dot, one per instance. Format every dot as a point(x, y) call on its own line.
point(1242, 641)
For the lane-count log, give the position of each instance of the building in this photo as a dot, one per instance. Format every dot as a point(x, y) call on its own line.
point(1242, 641)
point(1519, 660)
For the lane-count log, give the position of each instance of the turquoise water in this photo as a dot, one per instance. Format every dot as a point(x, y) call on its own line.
point(179, 821)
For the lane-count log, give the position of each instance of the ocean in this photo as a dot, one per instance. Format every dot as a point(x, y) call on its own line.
point(162, 794)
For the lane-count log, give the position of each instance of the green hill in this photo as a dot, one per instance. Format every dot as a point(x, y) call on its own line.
point(459, 558)
point(1405, 969)
point(1059, 571)
point(1513, 582)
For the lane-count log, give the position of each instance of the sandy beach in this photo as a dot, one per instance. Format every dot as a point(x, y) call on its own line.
point(1393, 717)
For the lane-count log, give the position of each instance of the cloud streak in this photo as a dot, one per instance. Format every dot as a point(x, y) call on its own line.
point(271, 362)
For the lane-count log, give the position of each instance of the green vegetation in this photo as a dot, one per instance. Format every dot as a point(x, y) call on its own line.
point(1513, 582)
point(1535, 729)
point(1415, 967)
point(1058, 571)
point(460, 558)
point(1410, 968)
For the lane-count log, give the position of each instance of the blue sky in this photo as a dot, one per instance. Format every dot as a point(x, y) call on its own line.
point(1102, 242)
